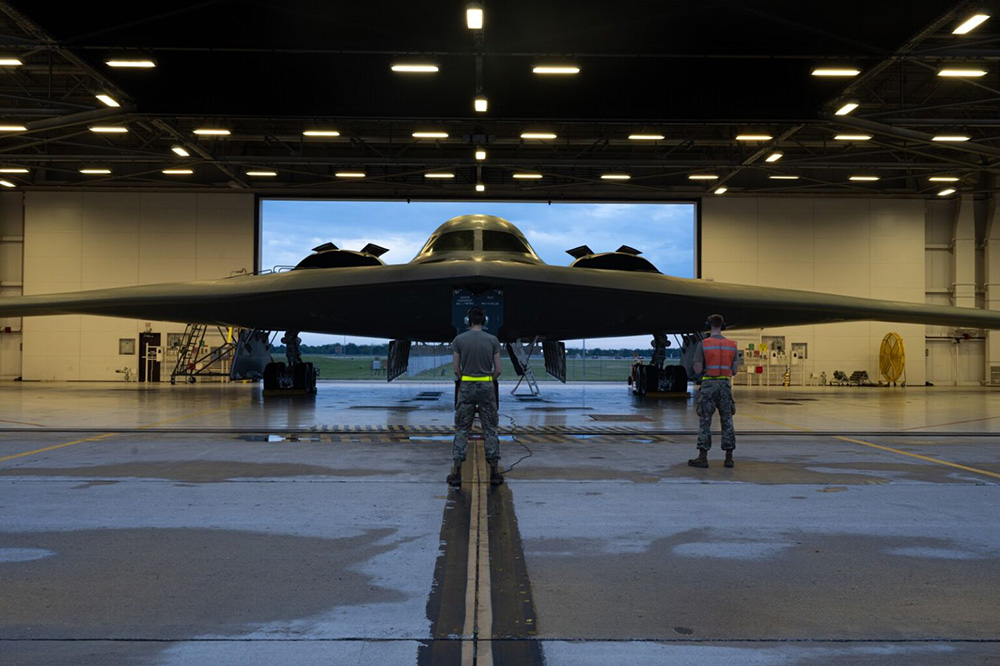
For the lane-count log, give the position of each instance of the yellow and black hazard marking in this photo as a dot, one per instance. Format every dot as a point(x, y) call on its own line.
point(402, 434)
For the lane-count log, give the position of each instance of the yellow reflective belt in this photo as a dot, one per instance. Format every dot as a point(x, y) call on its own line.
point(715, 377)
point(469, 378)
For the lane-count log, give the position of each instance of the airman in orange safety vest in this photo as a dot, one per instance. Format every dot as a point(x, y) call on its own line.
point(716, 361)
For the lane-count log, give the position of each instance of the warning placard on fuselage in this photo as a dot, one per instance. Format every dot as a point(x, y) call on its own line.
point(491, 301)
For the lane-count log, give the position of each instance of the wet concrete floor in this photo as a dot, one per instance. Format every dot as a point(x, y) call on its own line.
point(202, 524)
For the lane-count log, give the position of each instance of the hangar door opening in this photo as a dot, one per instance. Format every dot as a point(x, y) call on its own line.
point(665, 233)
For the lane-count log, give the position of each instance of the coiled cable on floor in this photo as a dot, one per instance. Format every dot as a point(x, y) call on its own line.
point(513, 427)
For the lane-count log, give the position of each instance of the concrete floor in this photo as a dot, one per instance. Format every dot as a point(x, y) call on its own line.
point(201, 524)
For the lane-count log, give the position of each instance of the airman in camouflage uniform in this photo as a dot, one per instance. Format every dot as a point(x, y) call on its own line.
point(716, 361)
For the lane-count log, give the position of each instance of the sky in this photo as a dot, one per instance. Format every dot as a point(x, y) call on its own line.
point(664, 233)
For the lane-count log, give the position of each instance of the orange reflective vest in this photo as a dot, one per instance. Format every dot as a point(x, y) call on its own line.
point(719, 356)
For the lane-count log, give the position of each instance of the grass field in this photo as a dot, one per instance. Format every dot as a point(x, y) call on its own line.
point(593, 370)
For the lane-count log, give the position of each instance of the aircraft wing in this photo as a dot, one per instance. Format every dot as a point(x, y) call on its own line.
point(413, 301)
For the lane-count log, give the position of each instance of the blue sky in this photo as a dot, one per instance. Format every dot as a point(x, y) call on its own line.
point(663, 232)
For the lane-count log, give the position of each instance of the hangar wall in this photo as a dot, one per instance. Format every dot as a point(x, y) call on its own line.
point(83, 240)
point(873, 248)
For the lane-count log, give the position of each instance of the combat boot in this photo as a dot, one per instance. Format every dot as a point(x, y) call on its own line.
point(701, 460)
point(729, 458)
point(496, 477)
point(455, 478)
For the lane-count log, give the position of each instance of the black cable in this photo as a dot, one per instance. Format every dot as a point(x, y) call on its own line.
point(513, 427)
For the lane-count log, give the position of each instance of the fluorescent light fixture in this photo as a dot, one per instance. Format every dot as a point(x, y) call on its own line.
point(180, 150)
point(350, 174)
point(970, 24)
point(13, 128)
point(7, 183)
point(480, 154)
point(945, 192)
point(480, 187)
point(95, 172)
point(853, 137)
point(474, 16)
point(108, 100)
point(615, 176)
point(210, 131)
point(178, 172)
point(783, 177)
point(430, 135)
point(415, 68)
point(951, 137)
point(835, 71)
point(108, 129)
point(480, 103)
point(943, 179)
point(13, 170)
point(143, 63)
point(439, 174)
point(646, 137)
point(527, 176)
point(262, 174)
point(962, 72)
point(754, 137)
point(774, 157)
point(320, 133)
point(721, 190)
point(10, 62)
point(866, 179)
point(703, 176)
point(555, 69)
point(846, 108)
point(537, 135)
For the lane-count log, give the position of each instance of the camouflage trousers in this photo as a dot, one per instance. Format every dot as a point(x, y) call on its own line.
point(470, 396)
point(715, 394)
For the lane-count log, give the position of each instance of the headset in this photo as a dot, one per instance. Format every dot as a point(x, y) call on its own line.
point(708, 322)
point(486, 318)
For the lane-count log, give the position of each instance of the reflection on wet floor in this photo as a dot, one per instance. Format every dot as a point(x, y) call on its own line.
point(327, 527)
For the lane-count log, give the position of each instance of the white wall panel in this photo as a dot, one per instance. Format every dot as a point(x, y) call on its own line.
point(852, 247)
point(82, 240)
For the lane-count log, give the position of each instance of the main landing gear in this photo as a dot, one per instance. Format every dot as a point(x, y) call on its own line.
point(294, 378)
point(658, 376)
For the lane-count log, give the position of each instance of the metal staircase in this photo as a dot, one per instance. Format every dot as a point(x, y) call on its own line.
point(195, 360)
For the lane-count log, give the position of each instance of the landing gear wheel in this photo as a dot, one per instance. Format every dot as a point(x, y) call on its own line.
point(640, 380)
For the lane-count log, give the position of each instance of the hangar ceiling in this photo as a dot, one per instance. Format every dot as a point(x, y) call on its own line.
point(696, 74)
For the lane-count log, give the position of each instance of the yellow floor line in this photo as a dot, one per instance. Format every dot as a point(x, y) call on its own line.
point(97, 438)
point(919, 457)
point(884, 448)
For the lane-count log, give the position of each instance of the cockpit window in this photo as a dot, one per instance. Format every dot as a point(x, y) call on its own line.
point(454, 241)
point(502, 241)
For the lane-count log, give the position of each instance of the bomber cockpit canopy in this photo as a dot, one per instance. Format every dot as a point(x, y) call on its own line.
point(478, 237)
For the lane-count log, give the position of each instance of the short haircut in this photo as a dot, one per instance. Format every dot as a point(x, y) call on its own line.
point(716, 321)
point(477, 317)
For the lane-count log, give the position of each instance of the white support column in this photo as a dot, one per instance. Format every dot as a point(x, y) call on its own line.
point(991, 261)
point(11, 279)
point(964, 255)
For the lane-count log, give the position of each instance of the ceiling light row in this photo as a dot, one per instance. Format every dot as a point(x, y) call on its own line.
point(428, 68)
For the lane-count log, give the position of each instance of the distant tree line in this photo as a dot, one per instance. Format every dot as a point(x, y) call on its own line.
point(352, 349)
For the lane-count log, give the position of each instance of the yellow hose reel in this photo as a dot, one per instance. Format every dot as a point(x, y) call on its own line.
point(892, 359)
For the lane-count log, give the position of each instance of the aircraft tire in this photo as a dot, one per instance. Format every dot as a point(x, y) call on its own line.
point(670, 383)
point(304, 377)
point(271, 372)
point(680, 379)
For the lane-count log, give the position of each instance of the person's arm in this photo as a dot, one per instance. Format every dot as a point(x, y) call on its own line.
point(736, 362)
point(699, 360)
point(496, 365)
point(455, 358)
